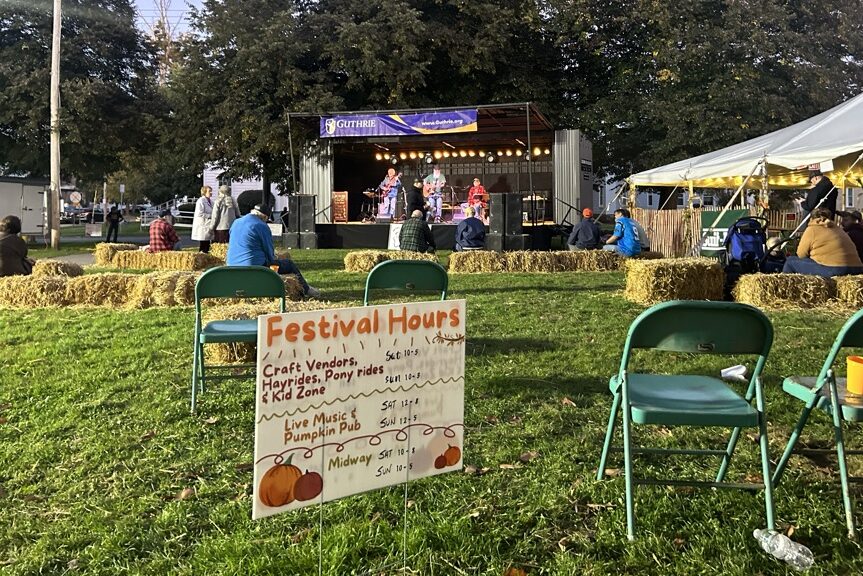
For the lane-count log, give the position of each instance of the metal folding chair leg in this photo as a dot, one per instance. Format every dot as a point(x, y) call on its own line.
point(627, 467)
point(792, 441)
point(195, 365)
point(840, 454)
point(729, 452)
point(765, 457)
point(609, 433)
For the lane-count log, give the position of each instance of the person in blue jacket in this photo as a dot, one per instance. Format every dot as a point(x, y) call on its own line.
point(470, 233)
point(625, 239)
point(251, 244)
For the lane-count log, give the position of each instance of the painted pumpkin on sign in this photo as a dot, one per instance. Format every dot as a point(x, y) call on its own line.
point(440, 462)
point(278, 484)
point(308, 486)
point(452, 455)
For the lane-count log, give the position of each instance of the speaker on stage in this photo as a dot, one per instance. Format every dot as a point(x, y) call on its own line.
point(308, 240)
point(496, 213)
point(383, 220)
point(494, 242)
point(293, 223)
point(515, 242)
point(306, 216)
point(291, 240)
point(514, 217)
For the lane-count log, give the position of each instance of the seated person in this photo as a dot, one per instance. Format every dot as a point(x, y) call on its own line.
point(13, 249)
point(585, 234)
point(824, 249)
point(416, 235)
point(852, 226)
point(625, 239)
point(470, 233)
point(250, 243)
point(163, 237)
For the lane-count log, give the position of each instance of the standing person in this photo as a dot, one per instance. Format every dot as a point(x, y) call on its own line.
point(225, 211)
point(389, 187)
point(201, 230)
point(470, 233)
point(624, 240)
point(477, 197)
point(13, 249)
point(585, 234)
point(433, 188)
point(163, 237)
point(414, 199)
point(252, 245)
point(824, 249)
point(851, 223)
point(820, 187)
point(113, 218)
point(415, 235)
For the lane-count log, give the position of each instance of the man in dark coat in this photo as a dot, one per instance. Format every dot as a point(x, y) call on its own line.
point(415, 199)
point(851, 223)
point(113, 218)
point(820, 187)
point(585, 234)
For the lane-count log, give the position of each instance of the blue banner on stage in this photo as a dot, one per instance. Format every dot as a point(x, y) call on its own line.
point(398, 124)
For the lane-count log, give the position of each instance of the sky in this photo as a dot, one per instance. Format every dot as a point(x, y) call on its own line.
point(148, 12)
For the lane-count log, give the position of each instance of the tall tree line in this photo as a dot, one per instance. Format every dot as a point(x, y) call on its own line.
point(650, 82)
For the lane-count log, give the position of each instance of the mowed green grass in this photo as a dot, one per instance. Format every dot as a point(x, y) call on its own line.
point(97, 443)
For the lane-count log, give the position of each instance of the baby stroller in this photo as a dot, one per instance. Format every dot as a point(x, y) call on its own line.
point(746, 251)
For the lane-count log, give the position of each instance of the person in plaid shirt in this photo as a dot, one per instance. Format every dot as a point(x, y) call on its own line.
point(163, 237)
point(416, 235)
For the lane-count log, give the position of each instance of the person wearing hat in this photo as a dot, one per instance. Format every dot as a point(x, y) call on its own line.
point(414, 198)
point(585, 234)
point(251, 244)
point(821, 190)
point(163, 237)
point(851, 223)
point(824, 249)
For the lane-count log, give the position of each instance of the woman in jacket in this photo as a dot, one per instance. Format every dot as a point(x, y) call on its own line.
point(201, 230)
point(225, 211)
point(825, 249)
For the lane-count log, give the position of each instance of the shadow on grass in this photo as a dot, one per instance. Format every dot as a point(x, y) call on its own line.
point(456, 292)
point(576, 388)
point(490, 346)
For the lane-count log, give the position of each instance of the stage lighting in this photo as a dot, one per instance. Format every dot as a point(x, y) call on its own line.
point(547, 151)
point(500, 152)
point(387, 156)
point(429, 159)
point(481, 153)
point(379, 156)
point(394, 160)
point(471, 153)
point(446, 153)
point(403, 156)
point(462, 153)
point(509, 152)
point(490, 157)
point(437, 155)
point(518, 152)
point(537, 151)
point(413, 155)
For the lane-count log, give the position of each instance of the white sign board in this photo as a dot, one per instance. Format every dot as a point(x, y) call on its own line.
point(275, 229)
point(394, 242)
point(356, 399)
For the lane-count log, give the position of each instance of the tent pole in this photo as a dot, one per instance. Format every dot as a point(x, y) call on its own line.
point(765, 189)
point(731, 201)
point(620, 191)
point(806, 219)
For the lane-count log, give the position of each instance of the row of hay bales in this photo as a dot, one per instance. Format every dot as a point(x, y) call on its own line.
point(480, 261)
point(130, 257)
point(652, 281)
point(115, 290)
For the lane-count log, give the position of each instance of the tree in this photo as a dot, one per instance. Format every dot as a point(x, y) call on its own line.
point(106, 82)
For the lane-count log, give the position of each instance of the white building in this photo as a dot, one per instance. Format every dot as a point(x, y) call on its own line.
point(211, 179)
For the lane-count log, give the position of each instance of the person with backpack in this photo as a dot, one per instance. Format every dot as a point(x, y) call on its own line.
point(225, 211)
point(624, 240)
point(824, 249)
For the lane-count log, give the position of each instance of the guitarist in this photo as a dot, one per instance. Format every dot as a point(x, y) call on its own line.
point(433, 190)
point(389, 188)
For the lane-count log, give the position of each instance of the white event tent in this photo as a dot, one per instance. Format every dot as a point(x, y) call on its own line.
point(832, 140)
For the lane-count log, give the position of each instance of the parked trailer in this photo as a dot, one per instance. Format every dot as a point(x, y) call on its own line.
point(25, 198)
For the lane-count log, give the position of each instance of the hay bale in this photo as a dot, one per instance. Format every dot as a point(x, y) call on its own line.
point(531, 261)
point(241, 353)
point(57, 268)
point(173, 260)
point(410, 255)
point(783, 291)
point(33, 291)
point(184, 290)
point(364, 260)
point(219, 250)
point(652, 281)
point(849, 290)
point(476, 261)
point(105, 252)
point(101, 289)
point(650, 255)
point(589, 260)
point(158, 289)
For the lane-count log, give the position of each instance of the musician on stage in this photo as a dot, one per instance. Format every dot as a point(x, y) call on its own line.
point(477, 198)
point(433, 189)
point(389, 187)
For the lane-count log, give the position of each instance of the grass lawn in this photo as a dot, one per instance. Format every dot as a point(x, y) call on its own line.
point(97, 444)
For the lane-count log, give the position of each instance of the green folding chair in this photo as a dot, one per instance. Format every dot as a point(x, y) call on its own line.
point(408, 276)
point(830, 394)
point(692, 327)
point(229, 282)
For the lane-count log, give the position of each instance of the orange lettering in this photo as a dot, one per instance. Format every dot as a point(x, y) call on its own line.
point(272, 330)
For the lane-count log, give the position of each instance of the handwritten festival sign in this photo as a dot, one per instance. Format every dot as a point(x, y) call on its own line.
point(356, 399)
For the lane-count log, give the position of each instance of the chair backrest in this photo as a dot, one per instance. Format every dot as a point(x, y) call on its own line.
point(701, 327)
point(407, 275)
point(239, 282)
point(850, 336)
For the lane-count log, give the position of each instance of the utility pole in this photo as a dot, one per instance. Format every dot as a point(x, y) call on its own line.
point(54, 193)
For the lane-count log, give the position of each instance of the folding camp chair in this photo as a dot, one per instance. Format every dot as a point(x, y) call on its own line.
point(691, 400)
point(407, 275)
point(829, 394)
point(229, 282)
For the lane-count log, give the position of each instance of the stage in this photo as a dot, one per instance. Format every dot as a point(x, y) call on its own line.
point(376, 236)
